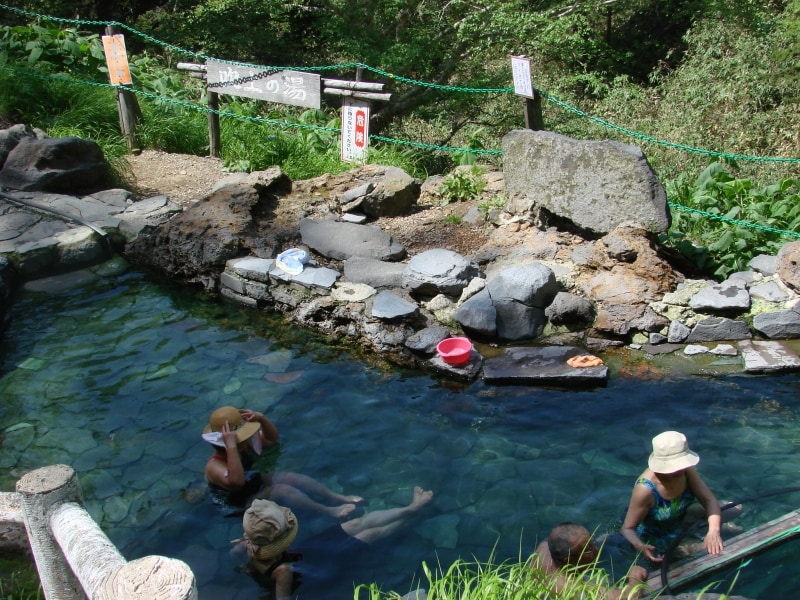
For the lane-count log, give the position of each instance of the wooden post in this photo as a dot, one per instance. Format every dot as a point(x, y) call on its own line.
point(127, 105)
point(533, 112)
point(40, 490)
point(74, 557)
point(214, 143)
point(88, 551)
point(150, 578)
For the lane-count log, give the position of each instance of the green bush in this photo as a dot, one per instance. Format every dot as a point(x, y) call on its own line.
point(721, 222)
point(463, 185)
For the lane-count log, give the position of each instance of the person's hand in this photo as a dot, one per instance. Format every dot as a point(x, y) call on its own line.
point(250, 415)
point(649, 552)
point(229, 437)
point(713, 543)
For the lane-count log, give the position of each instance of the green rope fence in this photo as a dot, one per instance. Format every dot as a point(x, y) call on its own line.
point(408, 81)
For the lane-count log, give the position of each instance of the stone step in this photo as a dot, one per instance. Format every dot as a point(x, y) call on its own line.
point(542, 365)
point(767, 356)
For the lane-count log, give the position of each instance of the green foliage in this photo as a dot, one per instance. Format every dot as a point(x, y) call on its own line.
point(510, 580)
point(498, 202)
point(19, 580)
point(714, 230)
point(52, 49)
point(463, 185)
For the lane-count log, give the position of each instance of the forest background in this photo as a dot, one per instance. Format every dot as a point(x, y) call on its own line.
point(708, 89)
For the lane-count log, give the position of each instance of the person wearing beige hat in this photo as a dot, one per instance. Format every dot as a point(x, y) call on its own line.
point(661, 499)
point(238, 437)
point(269, 530)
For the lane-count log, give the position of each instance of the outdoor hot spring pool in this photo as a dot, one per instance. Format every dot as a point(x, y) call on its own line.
point(117, 378)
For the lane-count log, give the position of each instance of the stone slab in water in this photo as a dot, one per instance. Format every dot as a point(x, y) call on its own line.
point(468, 370)
point(768, 356)
point(542, 365)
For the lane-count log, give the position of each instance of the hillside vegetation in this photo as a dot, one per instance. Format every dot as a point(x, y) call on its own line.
point(694, 83)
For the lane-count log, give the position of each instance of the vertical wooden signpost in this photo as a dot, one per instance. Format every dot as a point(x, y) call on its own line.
point(356, 97)
point(523, 86)
point(296, 88)
point(120, 75)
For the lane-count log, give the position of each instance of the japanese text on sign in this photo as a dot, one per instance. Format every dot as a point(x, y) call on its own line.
point(521, 70)
point(296, 88)
point(355, 129)
point(117, 59)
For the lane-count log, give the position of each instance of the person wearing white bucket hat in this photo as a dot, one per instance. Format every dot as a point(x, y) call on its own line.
point(661, 499)
point(238, 436)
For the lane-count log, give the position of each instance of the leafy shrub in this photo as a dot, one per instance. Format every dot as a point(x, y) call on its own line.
point(496, 203)
point(726, 221)
point(463, 185)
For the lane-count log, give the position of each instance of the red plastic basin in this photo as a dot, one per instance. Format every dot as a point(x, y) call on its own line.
point(454, 350)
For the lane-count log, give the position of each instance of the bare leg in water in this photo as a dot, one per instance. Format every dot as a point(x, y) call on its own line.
point(299, 491)
point(377, 525)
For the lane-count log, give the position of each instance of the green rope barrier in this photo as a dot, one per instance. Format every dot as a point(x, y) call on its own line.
point(222, 113)
point(647, 138)
point(724, 219)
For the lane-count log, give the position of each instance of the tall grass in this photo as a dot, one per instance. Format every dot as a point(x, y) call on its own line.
point(489, 580)
point(19, 580)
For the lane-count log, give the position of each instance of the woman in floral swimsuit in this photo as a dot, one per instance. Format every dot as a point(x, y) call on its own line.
point(661, 498)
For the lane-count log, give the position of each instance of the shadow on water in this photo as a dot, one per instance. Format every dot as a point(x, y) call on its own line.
point(118, 378)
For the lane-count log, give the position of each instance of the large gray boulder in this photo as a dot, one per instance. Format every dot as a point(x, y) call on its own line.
point(520, 296)
point(438, 271)
point(388, 192)
point(778, 325)
point(196, 244)
point(375, 273)
point(67, 164)
point(598, 186)
point(341, 240)
point(787, 265)
point(9, 138)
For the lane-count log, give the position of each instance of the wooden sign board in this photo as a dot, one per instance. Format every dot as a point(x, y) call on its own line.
point(117, 59)
point(521, 70)
point(355, 130)
point(296, 88)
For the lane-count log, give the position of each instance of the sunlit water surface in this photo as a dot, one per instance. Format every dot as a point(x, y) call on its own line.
point(118, 378)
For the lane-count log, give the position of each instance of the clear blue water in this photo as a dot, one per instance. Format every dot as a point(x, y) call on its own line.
point(117, 378)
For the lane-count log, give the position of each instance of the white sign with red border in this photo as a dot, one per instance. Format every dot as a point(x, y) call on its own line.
point(355, 130)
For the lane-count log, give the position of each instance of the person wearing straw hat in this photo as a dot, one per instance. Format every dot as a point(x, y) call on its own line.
point(660, 502)
point(238, 437)
point(269, 530)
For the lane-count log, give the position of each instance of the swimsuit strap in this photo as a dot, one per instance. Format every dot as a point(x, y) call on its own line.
point(659, 499)
point(220, 458)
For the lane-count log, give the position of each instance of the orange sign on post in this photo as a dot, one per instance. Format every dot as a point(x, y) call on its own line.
point(117, 59)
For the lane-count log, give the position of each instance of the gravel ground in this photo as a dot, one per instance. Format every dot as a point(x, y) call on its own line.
point(187, 178)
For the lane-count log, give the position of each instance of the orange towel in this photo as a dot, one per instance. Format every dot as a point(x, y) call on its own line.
point(584, 360)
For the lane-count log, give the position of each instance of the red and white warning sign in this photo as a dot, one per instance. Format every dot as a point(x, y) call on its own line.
point(355, 130)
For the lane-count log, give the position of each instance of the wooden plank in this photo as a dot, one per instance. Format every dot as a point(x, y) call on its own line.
point(767, 356)
point(356, 94)
point(736, 549)
point(194, 67)
point(296, 88)
point(366, 86)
